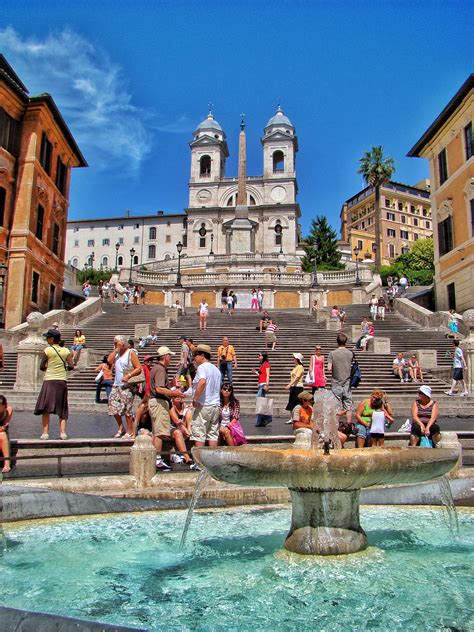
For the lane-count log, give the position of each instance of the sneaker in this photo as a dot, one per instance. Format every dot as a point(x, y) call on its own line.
point(161, 465)
point(195, 467)
point(176, 458)
point(465, 394)
point(450, 393)
point(63, 436)
point(44, 436)
point(127, 435)
point(287, 423)
point(401, 381)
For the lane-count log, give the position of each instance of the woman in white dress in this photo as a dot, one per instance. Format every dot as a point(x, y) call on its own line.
point(203, 313)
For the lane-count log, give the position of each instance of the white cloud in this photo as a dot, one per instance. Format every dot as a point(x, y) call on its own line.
point(91, 92)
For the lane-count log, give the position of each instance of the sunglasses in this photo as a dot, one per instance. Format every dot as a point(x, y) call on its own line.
point(226, 388)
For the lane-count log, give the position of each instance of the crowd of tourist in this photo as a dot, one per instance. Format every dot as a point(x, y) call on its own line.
point(190, 400)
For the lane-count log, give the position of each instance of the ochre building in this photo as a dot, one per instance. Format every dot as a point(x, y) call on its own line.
point(449, 146)
point(37, 152)
point(405, 218)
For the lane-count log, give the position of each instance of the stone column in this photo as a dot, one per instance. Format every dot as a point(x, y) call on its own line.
point(467, 345)
point(30, 353)
point(143, 460)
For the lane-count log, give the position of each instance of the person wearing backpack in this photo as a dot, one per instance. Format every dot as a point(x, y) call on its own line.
point(340, 367)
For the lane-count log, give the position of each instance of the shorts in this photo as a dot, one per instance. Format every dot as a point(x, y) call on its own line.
point(205, 423)
point(270, 337)
point(377, 435)
point(416, 430)
point(362, 432)
point(160, 417)
point(224, 300)
point(182, 371)
point(121, 401)
point(343, 394)
point(458, 374)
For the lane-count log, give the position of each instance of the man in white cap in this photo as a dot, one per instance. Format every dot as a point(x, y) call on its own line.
point(206, 399)
point(159, 403)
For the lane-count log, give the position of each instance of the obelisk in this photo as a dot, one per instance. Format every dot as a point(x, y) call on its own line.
point(241, 209)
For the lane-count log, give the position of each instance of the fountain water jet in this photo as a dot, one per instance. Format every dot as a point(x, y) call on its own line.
point(324, 488)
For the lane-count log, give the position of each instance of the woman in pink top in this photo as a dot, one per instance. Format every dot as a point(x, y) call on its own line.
point(316, 369)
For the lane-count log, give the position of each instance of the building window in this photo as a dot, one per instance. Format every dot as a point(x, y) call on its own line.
point(451, 291)
point(76, 243)
point(61, 173)
point(278, 239)
point(168, 224)
point(428, 224)
point(75, 229)
point(445, 236)
point(120, 260)
point(403, 234)
point(9, 136)
point(391, 217)
point(152, 251)
point(75, 262)
point(469, 139)
point(120, 227)
point(136, 240)
point(360, 245)
point(52, 293)
point(135, 260)
point(168, 239)
point(90, 243)
point(278, 162)
point(106, 242)
point(425, 212)
point(39, 222)
point(442, 167)
point(400, 206)
point(362, 225)
point(415, 221)
point(121, 241)
point(405, 249)
point(3, 201)
point(152, 233)
point(415, 236)
point(105, 262)
point(55, 244)
point(35, 287)
point(202, 242)
point(46, 153)
point(388, 202)
point(391, 251)
point(412, 208)
point(404, 219)
point(135, 226)
point(205, 166)
point(391, 232)
point(472, 217)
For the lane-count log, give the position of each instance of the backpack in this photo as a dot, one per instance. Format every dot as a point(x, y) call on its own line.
point(356, 375)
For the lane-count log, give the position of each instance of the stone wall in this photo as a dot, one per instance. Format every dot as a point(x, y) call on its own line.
point(286, 300)
point(155, 297)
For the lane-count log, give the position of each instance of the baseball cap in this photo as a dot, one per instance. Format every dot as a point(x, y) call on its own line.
point(147, 357)
point(52, 333)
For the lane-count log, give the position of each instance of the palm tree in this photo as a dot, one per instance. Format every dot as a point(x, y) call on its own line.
point(376, 170)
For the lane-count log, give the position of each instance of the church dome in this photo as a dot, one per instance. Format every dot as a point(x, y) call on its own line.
point(209, 123)
point(279, 118)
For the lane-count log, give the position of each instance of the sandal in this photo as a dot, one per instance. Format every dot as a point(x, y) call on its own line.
point(119, 434)
point(6, 469)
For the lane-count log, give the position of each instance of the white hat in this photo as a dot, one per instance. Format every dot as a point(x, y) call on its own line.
point(162, 351)
point(426, 390)
point(298, 356)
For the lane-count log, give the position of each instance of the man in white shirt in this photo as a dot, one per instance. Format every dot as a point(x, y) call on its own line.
point(206, 399)
point(400, 367)
point(459, 366)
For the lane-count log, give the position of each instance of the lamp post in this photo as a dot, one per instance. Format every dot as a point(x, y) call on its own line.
point(179, 248)
point(117, 248)
point(92, 259)
point(212, 244)
point(132, 253)
point(315, 280)
point(357, 279)
point(3, 277)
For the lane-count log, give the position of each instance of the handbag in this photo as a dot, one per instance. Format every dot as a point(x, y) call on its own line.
point(425, 442)
point(264, 406)
point(98, 378)
point(237, 432)
point(356, 375)
point(307, 379)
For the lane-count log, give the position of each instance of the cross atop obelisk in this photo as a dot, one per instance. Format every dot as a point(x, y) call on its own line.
point(242, 185)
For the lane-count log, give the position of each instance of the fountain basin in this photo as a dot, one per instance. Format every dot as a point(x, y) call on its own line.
point(325, 489)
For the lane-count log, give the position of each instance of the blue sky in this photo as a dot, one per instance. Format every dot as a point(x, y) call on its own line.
point(133, 79)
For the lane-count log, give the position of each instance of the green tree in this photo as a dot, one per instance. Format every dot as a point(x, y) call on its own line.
point(421, 255)
point(376, 170)
point(322, 244)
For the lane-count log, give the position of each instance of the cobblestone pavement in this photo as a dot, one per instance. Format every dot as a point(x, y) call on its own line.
point(27, 426)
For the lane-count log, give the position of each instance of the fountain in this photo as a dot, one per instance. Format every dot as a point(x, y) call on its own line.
point(324, 483)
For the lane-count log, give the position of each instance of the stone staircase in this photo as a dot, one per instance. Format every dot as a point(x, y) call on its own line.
point(298, 332)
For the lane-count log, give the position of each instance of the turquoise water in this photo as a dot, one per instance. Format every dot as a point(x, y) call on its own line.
point(128, 569)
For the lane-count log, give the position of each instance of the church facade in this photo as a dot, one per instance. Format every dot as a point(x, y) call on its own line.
point(248, 216)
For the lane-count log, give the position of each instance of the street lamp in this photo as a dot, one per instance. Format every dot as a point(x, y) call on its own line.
point(117, 248)
point(212, 244)
point(132, 253)
point(179, 248)
point(315, 280)
point(357, 279)
point(3, 277)
point(92, 257)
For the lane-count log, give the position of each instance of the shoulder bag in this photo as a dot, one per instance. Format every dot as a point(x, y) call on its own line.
point(356, 375)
